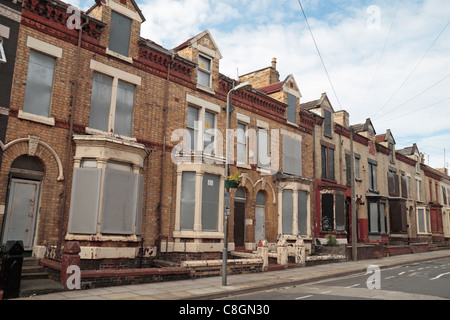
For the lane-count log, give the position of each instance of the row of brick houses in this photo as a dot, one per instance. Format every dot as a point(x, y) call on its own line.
point(110, 140)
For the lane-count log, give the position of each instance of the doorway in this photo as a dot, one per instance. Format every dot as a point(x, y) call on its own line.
point(22, 205)
point(239, 219)
point(260, 217)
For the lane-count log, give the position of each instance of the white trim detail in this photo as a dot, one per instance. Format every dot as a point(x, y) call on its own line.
point(124, 11)
point(115, 73)
point(44, 47)
point(34, 139)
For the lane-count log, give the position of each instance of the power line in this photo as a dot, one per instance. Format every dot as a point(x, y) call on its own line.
point(382, 55)
point(320, 55)
point(418, 110)
point(413, 70)
point(417, 95)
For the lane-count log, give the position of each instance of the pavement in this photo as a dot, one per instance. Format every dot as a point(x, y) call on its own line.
point(211, 288)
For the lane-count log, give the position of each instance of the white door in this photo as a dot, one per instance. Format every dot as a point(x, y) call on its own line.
point(22, 208)
point(260, 223)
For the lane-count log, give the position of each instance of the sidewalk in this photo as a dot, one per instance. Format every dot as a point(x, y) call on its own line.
point(211, 288)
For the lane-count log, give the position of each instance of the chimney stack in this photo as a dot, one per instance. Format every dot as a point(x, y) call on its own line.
point(274, 63)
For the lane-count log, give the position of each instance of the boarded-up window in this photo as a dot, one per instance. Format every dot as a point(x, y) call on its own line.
point(119, 37)
point(374, 217)
point(192, 129)
point(100, 102)
point(382, 218)
point(327, 212)
point(187, 205)
point(444, 195)
point(119, 202)
point(210, 202)
point(263, 148)
point(404, 187)
point(327, 122)
point(340, 212)
point(123, 119)
point(38, 90)
point(292, 108)
point(357, 166)
point(287, 217)
point(84, 203)
point(397, 215)
point(292, 156)
point(209, 133)
point(348, 171)
point(393, 184)
point(372, 175)
point(423, 221)
point(302, 213)
point(241, 143)
point(327, 163)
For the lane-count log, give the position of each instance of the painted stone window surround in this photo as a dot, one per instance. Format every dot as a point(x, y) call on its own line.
point(197, 233)
point(295, 187)
point(102, 152)
point(134, 16)
point(51, 51)
point(208, 54)
point(117, 75)
point(204, 107)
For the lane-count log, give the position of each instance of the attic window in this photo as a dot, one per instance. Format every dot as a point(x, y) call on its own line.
point(204, 71)
point(119, 37)
point(2, 52)
point(327, 123)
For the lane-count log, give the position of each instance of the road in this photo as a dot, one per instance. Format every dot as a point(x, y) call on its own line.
point(428, 280)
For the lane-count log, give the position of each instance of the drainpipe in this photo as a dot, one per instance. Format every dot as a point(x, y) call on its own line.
point(163, 156)
point(69, 138)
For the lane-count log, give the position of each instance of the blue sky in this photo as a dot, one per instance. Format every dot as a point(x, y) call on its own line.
point(387, 60)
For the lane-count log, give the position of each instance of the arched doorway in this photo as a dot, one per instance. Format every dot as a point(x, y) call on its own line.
point(22, 203)
point(239, 219)
point(260, 217)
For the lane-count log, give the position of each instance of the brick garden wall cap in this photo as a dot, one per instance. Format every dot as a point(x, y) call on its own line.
point(72, 247)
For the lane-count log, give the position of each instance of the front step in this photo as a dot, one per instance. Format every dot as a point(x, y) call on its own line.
point(32, 270)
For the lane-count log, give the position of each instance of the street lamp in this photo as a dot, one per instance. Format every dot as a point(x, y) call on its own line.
point(240, 87)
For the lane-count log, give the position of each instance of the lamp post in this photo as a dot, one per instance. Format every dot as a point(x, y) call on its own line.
point(240, 87)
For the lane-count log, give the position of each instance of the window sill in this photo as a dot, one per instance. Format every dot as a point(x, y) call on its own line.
point(264, 171)
point(292, 124)
point(244, 166)
point(35, 118)
point(206, 89)
point(112, 135)
point(119, 56)
point(190, 234)
point(102, 238)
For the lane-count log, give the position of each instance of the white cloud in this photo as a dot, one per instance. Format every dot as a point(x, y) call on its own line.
point(368, 82)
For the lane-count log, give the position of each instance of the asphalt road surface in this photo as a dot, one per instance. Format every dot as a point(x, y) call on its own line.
point(428, 280)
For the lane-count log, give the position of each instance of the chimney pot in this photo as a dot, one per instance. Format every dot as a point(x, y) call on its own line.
point(274, 63)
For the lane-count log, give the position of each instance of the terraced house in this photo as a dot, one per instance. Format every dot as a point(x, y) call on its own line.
point(119, 145)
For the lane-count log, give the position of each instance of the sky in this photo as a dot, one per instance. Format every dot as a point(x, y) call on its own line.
point(387, 60)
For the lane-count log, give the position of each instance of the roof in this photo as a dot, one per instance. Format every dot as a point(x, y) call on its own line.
point(194, 39)
point(103, 2)
point(310, 105)
point(409, 151)
point(274, 87)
